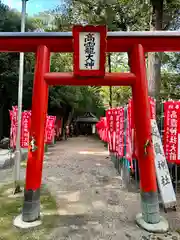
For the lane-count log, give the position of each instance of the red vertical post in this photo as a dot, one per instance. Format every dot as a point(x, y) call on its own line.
point(149, 195)
point(31, 207)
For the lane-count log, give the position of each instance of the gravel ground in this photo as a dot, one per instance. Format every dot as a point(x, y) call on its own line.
point(92, 203)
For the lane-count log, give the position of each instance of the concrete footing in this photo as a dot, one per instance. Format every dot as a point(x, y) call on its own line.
point(161, 227)
point(19, 223)
point(31, 206)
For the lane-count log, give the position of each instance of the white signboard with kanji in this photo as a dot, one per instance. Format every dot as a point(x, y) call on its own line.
point(89, 46)
point(162, 172)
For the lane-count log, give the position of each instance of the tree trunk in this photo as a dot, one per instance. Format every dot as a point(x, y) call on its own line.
point(154, 74)
point(154, 59)
point(1, 121)
point(70, 116)
point(110, 87)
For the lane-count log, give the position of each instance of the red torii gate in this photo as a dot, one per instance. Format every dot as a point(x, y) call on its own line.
point(136, 44)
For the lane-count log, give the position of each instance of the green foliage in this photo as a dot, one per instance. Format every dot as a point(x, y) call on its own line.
point(11, 206)
point(61, 62)
point(170, 88)
point(120, 95)
point(117, 15)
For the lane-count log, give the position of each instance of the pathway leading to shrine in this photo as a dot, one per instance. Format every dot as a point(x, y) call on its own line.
point(92, 203)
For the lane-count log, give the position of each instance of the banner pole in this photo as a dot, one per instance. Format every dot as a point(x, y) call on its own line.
point(18, 154)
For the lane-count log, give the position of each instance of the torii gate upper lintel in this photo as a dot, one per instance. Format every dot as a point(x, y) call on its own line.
point(156, 41)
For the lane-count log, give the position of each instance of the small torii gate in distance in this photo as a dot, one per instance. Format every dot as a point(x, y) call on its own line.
point(135, 44)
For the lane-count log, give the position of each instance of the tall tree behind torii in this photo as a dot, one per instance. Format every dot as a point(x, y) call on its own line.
point(163, 15)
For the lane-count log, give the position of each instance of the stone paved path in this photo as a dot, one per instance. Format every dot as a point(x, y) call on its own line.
point(92, 203)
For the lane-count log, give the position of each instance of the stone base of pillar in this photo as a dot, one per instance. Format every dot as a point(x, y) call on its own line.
point(161, 227)
point(19, 223)
point(31, 206)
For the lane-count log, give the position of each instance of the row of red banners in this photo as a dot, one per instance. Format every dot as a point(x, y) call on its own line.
point(25, 127)
point(118, 130)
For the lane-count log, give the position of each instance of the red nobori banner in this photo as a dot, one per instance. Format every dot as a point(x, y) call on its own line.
point(117, 128)
point(101, 128)
point(25, 127)
point(114, 130)
point(121, 133)
point(172, 131)
point(13, 130)
point(152, 102)
point(109, 127)
point(58, 126)
point(50, 129)
point(129, 133)
point(132, 129)
point(105, 129)
point(26, 116)
point(110, 116)
point(130, 114)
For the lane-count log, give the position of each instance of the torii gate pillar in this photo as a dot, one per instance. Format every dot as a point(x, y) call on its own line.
point(150, 218)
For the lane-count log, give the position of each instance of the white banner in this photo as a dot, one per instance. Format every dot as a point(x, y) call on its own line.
point(162, 172)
